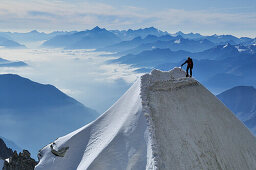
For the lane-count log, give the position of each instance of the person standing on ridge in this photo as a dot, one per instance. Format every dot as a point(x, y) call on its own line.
point(189, 62)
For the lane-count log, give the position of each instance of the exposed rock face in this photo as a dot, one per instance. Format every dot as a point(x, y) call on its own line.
point(23, 161)
point(5, 152)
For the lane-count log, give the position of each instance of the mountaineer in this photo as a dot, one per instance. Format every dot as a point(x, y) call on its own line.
point(189, 62)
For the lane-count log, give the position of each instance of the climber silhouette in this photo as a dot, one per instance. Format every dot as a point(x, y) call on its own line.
point(189, 62)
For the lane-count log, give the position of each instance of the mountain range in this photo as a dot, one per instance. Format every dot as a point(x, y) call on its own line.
point(218, 39)
point(8, 63)
point(100, 38)
point(173, 43)
point(218, 68)
point(32, 36)
point(142, 32)
point(142, 39)
point(89, 39)
point(7, 43)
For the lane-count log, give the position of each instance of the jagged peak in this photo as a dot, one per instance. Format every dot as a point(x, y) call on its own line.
point(97, 29)
point(179, 33)
point(34, 31)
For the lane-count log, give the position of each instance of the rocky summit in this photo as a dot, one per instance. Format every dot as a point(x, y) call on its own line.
point(21, 161)
point(5, 152)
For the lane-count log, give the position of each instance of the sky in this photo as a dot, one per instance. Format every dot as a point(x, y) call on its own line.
point(207, 17)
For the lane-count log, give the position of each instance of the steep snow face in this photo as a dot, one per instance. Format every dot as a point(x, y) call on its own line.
point(164, 121)
point(193, 129)
point(116, 140)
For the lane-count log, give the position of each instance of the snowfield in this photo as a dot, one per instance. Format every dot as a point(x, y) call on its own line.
point(164, 121)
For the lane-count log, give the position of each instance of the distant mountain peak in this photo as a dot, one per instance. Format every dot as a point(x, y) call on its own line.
point(151, 28)
point(179, 33)
point(148, 29)
point(97, 29)
point(34, 32)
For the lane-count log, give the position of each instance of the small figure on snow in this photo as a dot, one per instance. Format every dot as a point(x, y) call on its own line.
point(189, 62)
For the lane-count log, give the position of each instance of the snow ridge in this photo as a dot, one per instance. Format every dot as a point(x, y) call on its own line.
point(147, 82)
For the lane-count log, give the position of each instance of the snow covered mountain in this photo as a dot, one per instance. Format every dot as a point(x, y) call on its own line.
point(164, 121)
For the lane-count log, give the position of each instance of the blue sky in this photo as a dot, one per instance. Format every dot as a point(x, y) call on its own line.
point(204, 16)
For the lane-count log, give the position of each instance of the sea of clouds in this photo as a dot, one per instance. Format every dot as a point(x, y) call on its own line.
point(82, 74)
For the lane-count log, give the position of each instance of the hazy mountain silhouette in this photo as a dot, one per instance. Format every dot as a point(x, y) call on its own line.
point(89, 39)
point(28, 109)
point(7, 43)
point(142, 32)
point(32, 35)
point(181, 44)
point(242, 101)
point(7, 63)
point(219, 52)
point(153, 57)
point(126, 47)
point(223, 39)
point(188, 36)
point(138, 45)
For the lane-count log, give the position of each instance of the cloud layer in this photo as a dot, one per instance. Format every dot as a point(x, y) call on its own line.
point(81, 74)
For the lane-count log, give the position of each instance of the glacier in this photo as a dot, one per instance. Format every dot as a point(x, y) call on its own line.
point(164, 121)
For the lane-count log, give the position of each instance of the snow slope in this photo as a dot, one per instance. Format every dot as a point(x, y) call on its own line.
point(164, 121)
point(116, 140)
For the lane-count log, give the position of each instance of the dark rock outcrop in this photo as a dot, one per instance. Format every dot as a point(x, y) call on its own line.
point(23, 161)
point(5, 152)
